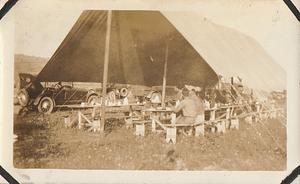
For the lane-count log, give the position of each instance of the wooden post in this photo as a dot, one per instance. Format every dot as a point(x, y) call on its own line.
point(212, 118)
point(79, 120)
point(227, 119)
point(258, 113)
point(223, 126)
point(105, 70)
point(96, 125)
point(153, 125)
point(129, 121)
point(67, 121)
point(165, 78)
point(140, 129)
point(173, 118)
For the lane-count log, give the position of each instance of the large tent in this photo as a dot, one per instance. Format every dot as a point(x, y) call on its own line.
point(198, 50)
point(229, 52)
point(140, 43)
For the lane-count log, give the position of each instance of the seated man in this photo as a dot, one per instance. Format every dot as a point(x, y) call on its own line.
point(192, 108)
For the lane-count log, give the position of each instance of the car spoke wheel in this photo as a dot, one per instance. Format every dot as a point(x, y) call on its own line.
point(92, 99)
point(46, 105)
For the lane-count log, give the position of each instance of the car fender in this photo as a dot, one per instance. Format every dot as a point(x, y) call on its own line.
point(149, 95)
point(37, 100)
point(90, 93)
point(40, 96)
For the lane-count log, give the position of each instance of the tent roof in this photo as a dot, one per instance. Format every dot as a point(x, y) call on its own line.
point(198, 51)
point(137, 52)
point(229, 52)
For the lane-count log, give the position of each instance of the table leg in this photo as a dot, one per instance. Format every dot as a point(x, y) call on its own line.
point(171, 135)
point(79, 120)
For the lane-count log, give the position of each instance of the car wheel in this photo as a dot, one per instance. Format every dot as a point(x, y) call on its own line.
point(155, 97)
point(46, 105)
point(124, 92)
point(23, 97)
point(92, 100)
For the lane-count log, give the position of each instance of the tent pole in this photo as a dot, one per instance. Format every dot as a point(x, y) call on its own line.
point(165, 78)
point(105, 70)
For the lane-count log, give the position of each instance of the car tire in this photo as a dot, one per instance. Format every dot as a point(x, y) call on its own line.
point(46, 105)
point(155, 96)
point(124, 92)
point(23, 97)
point(92, 99)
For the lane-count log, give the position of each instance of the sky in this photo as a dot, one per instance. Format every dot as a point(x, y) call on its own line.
point(40, 26)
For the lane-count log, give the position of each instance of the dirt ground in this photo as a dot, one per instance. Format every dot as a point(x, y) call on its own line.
point(44, 142)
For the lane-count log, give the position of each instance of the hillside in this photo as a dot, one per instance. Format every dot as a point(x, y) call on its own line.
point(28, 64)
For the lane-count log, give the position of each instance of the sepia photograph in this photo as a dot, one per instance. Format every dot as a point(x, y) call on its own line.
point(164, 106)
point(150, 90)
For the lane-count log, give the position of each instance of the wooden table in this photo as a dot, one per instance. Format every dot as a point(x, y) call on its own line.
point(89, 119)
point(159, 115)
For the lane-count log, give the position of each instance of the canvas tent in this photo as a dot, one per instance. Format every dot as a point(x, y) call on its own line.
point(137, 52)
point(229, 52)
point(198, 51)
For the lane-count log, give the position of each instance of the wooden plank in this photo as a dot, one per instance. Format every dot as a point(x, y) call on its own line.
point(141, 122)
point(160, 124)
point(84, 117)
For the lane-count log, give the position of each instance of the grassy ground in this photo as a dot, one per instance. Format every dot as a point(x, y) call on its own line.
point(44, 142)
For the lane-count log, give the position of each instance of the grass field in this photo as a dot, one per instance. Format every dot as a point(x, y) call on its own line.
point(44, 142)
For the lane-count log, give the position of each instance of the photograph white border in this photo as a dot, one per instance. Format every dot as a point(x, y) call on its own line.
point(115, 176)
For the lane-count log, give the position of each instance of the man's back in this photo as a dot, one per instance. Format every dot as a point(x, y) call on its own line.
point(192, 107)
point(200, 105)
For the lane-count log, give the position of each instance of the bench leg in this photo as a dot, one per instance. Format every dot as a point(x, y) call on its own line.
point(223, 126)
point(218, 127)
point(213, 129)
point(234, 124)
point(128, 123)
point(227, 124)
point(199, 130)
point(256, 118)
point(249, 119)
point(67, 121)
point(96, 125)
point(79, 120)
point(140, 130)
point(153, 126)
point(171, 135)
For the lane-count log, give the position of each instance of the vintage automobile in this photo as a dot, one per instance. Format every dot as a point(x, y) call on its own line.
point(33, 95)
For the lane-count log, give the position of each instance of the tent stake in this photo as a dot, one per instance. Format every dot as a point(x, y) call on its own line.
point(106, 60)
